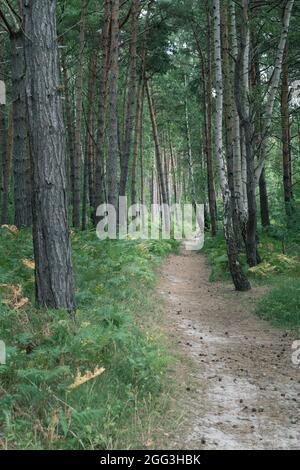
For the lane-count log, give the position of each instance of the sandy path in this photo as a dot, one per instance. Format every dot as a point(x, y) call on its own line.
point(247, 391)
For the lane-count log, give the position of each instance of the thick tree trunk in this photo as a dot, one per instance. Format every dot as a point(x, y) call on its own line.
point(21, 160)
point(286, 136)
point(131, 98)
point(53, 267)
point(78, 93)
point(240, 281)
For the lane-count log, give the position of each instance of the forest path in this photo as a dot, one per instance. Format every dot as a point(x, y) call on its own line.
point(245, 389)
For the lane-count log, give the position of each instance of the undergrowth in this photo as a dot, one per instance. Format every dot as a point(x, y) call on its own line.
point(279, 248)
point(48, 351)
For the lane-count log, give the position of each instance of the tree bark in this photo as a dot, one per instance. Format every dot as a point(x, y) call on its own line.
point(6, 167)
point(212, 200)
point(53, 267)
point(286, 137)
point(240, 281)
point(242, 103)
point(131, 98)
point(78, 99)
point(21, 160)
point(88, 180)
point(99, 197)
point(113, 151)
point(157, 146)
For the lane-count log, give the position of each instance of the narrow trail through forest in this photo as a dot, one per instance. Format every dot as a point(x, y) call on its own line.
point(245, 391)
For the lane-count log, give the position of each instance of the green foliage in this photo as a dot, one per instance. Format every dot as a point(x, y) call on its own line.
point(47, 349)
point(281, 306)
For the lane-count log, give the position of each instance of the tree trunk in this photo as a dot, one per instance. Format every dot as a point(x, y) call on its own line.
point(138, 117)
point(131, 98)
point(69, 118)
point(240, 281)
point(157, 146)
point(212, 200)
point(3, 149)
point(7, 142)
point(21, 160)
point(53, 267)
point(286, 137)
point(99, 159)
point(242, 103)
point(88, 180)
point(113, 151)
point(274, 84)
point(78, 92)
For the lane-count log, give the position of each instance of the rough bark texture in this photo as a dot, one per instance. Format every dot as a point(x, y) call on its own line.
point(78, 91)
point(53, 267)
point(240, 281)
point(88, 180)
point(286, 137)
point(99, 157)
point(6, 168)
point(21, 160)
point(159, 163)
point(242, 103)
point(113, 151)
point(131, 98)
point(274, 84)
point(209, 152)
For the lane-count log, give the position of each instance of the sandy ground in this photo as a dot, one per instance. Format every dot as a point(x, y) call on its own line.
point(246, 391)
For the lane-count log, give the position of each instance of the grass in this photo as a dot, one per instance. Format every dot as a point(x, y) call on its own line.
point(115, 328)
point(279, 249)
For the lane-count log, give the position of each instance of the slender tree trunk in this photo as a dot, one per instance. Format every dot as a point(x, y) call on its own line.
point(53, 267)
point(136, 143)
point(241, 204)
point(69, 119)
point(113, 151)
point(209, 150)
point(131, 98)
point(99, 163)
point(78, 153)
point(157, 146)
point(141, 143)
point(286, 136)
point(21, 160)
point(6, 169)
point(242, 104)
point(88, 180)
point(258, 126)
point(274, 84)
point(240, 281)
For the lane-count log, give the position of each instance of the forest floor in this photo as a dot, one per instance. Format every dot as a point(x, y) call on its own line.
point(243, 390)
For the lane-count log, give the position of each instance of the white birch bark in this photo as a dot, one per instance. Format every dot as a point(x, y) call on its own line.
point(273, 86)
